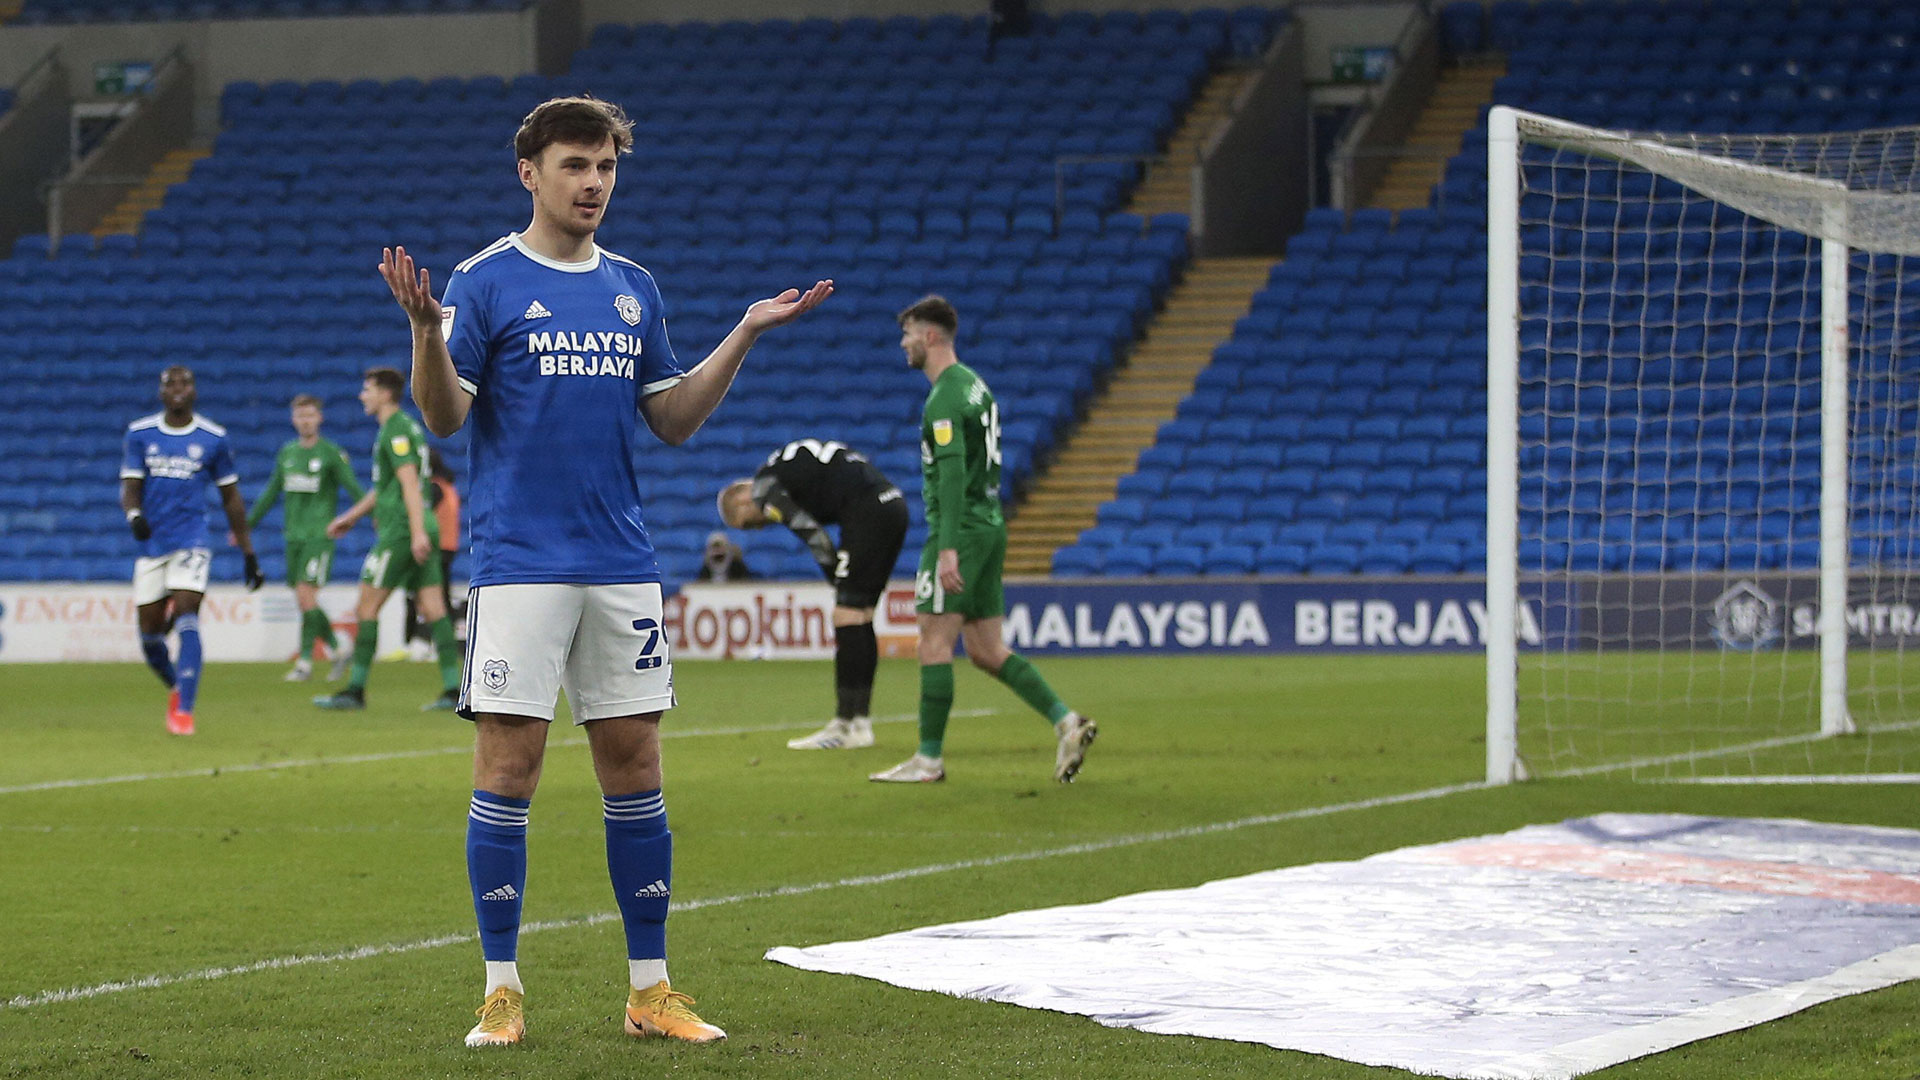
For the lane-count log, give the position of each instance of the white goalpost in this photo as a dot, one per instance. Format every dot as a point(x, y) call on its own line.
point(1703, 475)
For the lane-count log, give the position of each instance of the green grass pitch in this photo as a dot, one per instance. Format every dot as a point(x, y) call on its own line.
point(218, 858)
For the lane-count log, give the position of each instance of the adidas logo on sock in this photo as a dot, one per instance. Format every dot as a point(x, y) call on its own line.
point(537, 310)
point(504, 892)
point(656, 890)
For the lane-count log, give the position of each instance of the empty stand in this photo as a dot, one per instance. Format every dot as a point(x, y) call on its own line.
point(1355, 386)
point(257, 269)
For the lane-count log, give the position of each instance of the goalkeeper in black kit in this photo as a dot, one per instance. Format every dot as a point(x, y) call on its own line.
point(807, 485)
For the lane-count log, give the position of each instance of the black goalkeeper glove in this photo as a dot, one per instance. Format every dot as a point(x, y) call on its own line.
point(252, 573)
point(137, 521)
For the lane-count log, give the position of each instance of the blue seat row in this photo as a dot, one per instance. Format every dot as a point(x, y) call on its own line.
point(39, 12)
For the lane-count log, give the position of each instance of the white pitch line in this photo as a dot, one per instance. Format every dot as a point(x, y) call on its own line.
point(364, 952)
point(1726, 751)
point(402, 755)
point(1810, 779)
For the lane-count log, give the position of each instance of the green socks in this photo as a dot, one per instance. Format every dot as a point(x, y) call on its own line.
point(314, 626)
point(365, 639)
point(936, 701)
point(1023, 679)
point(448, 653)
point(308, 631)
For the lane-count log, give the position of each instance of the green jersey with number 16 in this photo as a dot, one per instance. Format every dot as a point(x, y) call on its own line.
point(402, 441)
point(960, 429)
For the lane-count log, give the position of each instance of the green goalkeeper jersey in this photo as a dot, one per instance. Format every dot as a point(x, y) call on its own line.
point(960, 456)
point(310, 479)
point(402, 441)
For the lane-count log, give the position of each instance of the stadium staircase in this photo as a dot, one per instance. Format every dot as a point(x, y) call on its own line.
point(172, 169)
point(1168, 186)
point(1452, 110)
point(1200, 313)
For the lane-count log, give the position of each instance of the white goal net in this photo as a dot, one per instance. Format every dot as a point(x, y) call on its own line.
point(1704, 453)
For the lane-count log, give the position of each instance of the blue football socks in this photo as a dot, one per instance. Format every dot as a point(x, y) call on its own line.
point(188, 627)
point(497, 870)
point(155, 648)
point(640, 862)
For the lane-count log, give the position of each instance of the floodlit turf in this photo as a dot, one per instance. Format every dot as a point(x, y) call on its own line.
point(218, 858)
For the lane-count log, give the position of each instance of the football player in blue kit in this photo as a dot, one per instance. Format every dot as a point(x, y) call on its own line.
point(552, 349)
point(172, 458)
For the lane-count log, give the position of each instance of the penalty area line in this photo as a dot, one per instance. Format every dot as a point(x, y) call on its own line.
point(405, 755)
point(367, 952)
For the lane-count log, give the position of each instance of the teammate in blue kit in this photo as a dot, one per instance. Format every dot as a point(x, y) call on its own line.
point(554, 348)
point(171, 459)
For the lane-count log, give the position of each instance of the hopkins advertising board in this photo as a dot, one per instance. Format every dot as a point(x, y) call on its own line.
point(96, 622)
point(773, 620)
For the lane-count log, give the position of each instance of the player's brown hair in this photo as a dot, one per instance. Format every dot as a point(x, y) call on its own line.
point(582, 121)
point(388, 379)
point(933, 309)
point(306, 399)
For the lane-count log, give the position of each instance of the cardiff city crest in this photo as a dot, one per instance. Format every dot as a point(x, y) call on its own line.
point(494, 674)
point(1745, 618)
point(629, 309)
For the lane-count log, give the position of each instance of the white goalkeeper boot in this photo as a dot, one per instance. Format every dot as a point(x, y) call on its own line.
point(839, 734)
point(918, 769)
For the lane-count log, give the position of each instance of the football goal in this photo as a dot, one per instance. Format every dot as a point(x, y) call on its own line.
point(1703, 478)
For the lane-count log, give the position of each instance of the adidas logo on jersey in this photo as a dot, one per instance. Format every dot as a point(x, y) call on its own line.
point(656, 891)
point(537, 310)
point(504, 892)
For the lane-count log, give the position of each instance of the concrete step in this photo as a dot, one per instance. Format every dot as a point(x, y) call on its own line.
point(1087, 463)
point(1067, 518)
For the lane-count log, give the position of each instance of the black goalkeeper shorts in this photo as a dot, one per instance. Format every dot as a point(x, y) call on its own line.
point(871, 534)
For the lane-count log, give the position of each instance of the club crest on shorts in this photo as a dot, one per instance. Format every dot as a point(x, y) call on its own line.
point(494, 674)
point(629, 309)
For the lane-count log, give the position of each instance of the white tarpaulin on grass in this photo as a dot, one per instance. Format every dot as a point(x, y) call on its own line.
point(1550, 951)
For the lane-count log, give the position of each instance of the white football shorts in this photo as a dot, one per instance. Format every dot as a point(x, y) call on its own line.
point(184, 570)
point(602, 644)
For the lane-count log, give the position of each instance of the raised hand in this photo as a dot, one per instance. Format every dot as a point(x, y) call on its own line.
point(788, 306)
point(412, 289)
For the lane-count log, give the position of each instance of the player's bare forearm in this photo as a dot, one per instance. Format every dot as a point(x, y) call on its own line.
point(131, 490)
point(351, 516)
point(409, 479)
point(675, 414)
point(436, 388)
point(236, 509)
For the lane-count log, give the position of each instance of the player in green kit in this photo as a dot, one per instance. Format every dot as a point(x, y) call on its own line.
point(405, 552)
point(309, 472)
point(958, 586)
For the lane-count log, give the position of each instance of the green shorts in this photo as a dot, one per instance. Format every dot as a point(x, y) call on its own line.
point(309, 562)
point(390, 566)
point(983, 554)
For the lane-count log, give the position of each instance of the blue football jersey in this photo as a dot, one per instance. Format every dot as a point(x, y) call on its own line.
point(558, 357)
point(177, 467)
